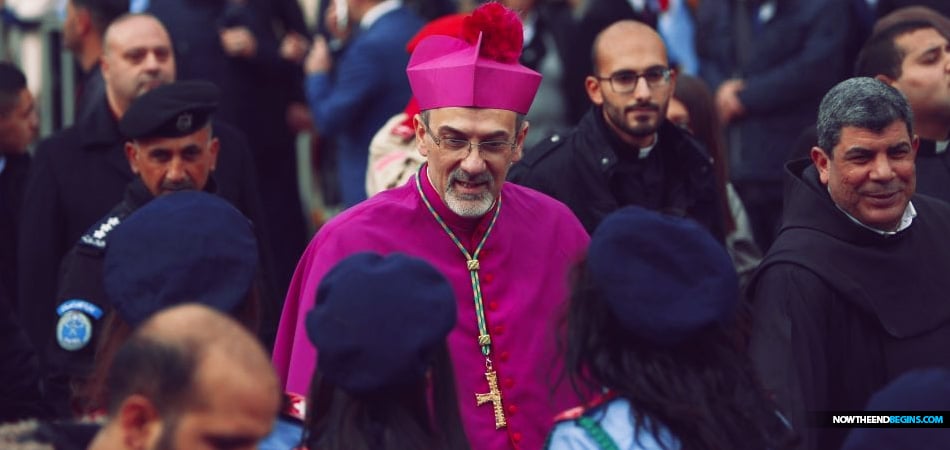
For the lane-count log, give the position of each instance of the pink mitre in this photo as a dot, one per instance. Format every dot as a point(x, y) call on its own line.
point(480, 71)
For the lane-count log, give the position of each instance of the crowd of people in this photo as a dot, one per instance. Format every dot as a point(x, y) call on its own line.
point(653, 224)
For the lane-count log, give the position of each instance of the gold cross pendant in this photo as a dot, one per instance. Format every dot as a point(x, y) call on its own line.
point(493, 396)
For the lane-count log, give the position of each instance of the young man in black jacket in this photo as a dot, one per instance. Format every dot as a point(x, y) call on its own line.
point(624, 152)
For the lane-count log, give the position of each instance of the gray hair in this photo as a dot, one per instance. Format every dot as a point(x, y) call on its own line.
point(860, 102)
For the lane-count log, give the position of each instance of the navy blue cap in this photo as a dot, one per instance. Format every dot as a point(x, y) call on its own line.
point(378, 320)
point(917, 390)
point(187, 246)
point(171, 110)
point(664, 278)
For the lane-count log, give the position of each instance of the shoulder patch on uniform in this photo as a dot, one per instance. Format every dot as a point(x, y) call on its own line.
point(96, 236)
point(73, 331)
point(77, 304)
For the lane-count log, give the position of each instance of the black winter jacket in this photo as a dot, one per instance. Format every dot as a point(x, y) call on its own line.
point(577, 169)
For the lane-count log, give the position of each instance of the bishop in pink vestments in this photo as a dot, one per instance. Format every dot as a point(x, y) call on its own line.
point(507, 250)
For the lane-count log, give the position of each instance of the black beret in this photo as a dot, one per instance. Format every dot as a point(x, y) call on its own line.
point(378, 320)
point(664, 278)
point(917, 390)
point(186, 246)
point(171, 110)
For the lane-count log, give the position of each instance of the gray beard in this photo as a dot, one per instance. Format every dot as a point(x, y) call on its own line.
point(470, 206)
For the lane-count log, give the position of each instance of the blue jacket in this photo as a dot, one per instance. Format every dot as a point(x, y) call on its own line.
point(366, 88)
point(794, 58)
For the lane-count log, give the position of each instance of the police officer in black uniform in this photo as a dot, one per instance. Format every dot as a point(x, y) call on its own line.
point(79, 174)
point(170, 147)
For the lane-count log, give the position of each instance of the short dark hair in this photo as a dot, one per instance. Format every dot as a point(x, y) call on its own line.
point(97, 392)
point(163, 372)
point(103, 12)
point(880, 54)
point(860, 102)
point(12, 82)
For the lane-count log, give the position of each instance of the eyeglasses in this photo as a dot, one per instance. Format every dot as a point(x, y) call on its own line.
point(490, 148)
point(625, 82)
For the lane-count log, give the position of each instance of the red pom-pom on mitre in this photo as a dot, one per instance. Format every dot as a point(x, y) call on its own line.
point(501, 29)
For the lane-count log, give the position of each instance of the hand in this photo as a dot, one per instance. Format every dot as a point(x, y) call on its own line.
point(294, 47)
point(298, 117)
point(238, 42)
point(728, 104)
point(319, 60)
point(332, 24)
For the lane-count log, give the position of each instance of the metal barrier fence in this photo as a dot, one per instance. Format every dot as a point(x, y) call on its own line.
point(50, 68)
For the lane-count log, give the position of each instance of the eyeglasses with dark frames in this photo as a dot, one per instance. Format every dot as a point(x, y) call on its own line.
point(625, 81)
point(492, 148)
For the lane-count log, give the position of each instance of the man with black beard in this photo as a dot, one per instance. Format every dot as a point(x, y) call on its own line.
point(623, 152)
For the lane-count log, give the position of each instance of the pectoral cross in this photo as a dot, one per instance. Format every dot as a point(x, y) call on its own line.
point(493, 396)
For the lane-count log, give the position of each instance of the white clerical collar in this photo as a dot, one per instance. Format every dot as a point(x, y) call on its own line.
point(645, 151)
point(909, 213)
point(378, 11)
point(940, 146)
